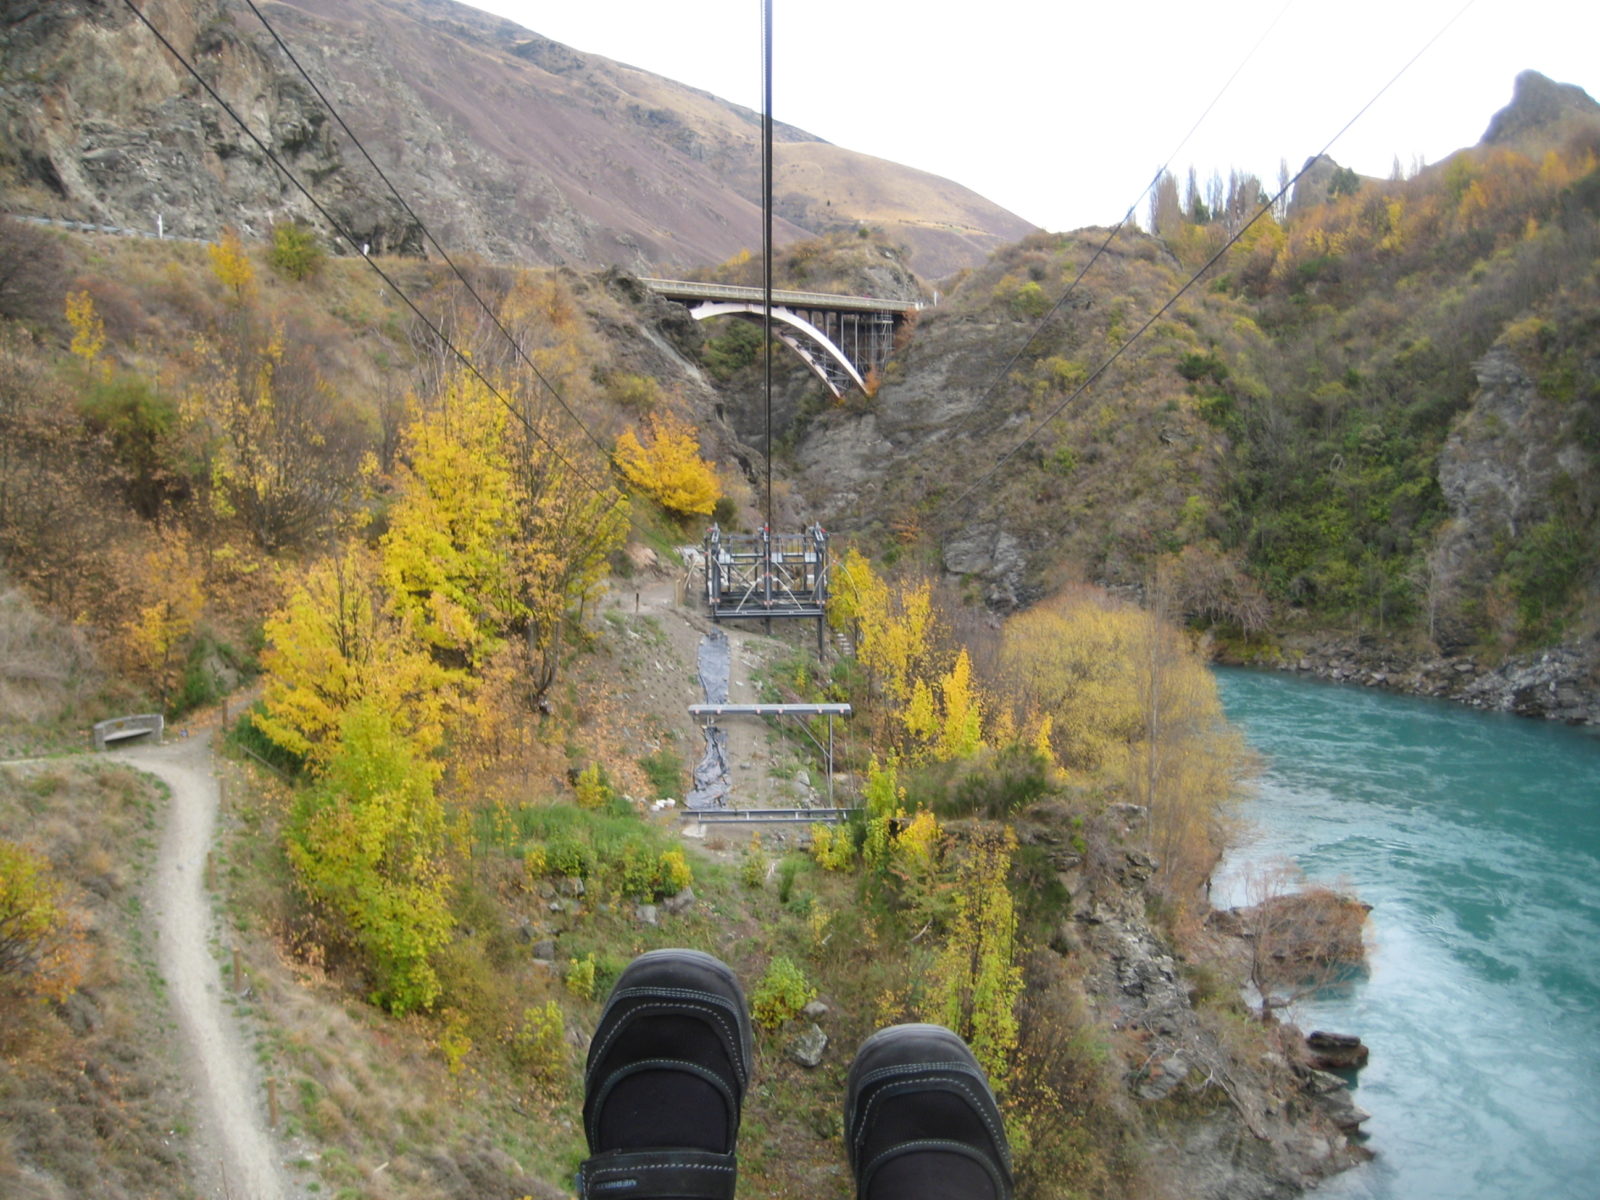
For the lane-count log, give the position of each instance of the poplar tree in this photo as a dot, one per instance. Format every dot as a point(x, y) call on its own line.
point(976, 979)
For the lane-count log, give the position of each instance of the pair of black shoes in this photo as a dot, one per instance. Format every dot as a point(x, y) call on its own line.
point(670, 1063)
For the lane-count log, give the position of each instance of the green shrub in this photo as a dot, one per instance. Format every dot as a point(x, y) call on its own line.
point(247, 737)
point(994, 785)
point(1195, 367)
point(753, 870)
point(732, 350)
point(674, 872)
point(594, 790)
point(833, 848)
point(538, 1047)
point(295, 253)
point(780, 994)
point(1542, 568)
point(580, 977)
point(787, 870)
point(612, 850)
point(664, 770)
point(570, 857)
point(1029, 300)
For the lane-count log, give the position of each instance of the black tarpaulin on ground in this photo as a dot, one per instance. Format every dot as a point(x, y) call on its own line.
point(711, 784)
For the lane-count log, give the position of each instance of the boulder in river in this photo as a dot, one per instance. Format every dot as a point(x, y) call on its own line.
point(1336, 1051)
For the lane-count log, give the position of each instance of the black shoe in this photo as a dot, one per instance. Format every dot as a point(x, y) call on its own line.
point(921, 1122)
point(666, 1078)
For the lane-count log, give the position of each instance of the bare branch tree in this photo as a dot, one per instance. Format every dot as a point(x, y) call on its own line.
point(1303, 937)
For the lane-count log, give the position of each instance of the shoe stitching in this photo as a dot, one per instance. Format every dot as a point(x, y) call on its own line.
point(947, 1145)
point(716, 1015)
point(953, 1064)
point(737, 1057)
point(721, 1003)
point(590, 1174)
point(659, 1166)
point(859, 1134)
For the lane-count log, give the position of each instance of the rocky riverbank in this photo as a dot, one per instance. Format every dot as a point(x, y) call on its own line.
point(1561, 683)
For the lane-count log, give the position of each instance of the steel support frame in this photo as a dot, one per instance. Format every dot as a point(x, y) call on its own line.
point(709, 712)
point(765, 575)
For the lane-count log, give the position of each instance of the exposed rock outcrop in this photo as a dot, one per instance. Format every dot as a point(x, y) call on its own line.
point(1336, 1051)
point(507, 144)
point(1558, 684)
point(1254, 1128)
point(1500, 469)
point(1539, 106)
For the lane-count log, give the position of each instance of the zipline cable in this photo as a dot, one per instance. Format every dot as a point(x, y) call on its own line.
point(426, 232)
point(1194, 278)
point(602, 492)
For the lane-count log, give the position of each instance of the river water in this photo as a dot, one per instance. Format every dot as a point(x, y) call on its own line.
point(1476, 839)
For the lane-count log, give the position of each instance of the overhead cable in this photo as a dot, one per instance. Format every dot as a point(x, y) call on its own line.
point(426, 232)
point(466, 361)
point(1194, 278)
point(1039, 326)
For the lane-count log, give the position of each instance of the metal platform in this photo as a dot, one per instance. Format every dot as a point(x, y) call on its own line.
point(707, 714)
point(766, 575)
point(767, 816)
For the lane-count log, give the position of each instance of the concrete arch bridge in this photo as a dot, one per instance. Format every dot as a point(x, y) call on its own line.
point(842, 339)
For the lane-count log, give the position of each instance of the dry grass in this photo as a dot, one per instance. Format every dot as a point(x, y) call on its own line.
point(46, 666)
point(90, 1102)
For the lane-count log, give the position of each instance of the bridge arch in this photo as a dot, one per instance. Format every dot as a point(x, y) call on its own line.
point(814, 347)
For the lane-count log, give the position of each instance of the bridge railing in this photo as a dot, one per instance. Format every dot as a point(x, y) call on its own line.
point(677, 289)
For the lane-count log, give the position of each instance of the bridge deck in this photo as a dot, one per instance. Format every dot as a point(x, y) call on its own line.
point(682, 289)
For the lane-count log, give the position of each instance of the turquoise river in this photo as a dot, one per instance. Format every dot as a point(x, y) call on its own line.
point(1476, 839)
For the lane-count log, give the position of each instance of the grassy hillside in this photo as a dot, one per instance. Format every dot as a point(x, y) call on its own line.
point(91, 1095)
point(1376, 415)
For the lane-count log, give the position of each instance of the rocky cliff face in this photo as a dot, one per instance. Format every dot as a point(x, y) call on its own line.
point(1504, 464)
point(1255, 1126)
point(1540, 110)
point(506, 144)
point(101, 123)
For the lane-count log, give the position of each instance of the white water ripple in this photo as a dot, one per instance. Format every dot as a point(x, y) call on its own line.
point(1477, 840)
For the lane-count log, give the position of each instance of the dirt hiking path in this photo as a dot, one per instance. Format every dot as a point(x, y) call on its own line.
point(234, 1154)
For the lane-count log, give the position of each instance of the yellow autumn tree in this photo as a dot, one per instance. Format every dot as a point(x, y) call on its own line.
point(268, 435)
point(1186, 762)
point(894, 628)
point(667, 467)
point(169, 601)
point(566, 528)
point(333, 644)
point(41, 939)
point(88, 329)
point(1068, 659)
point(446, 558)
point(1120, 694)
point(230, 263)
point(497, 536)
point(961, 726)
point(976, 979)
point(369, 845)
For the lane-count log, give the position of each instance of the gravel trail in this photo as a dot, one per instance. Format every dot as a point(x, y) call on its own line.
point(234, 1153)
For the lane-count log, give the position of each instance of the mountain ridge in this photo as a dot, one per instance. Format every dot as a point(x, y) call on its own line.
point(507, 144)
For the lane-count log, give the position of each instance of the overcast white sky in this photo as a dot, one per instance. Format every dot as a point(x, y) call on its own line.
point(1063, 112)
